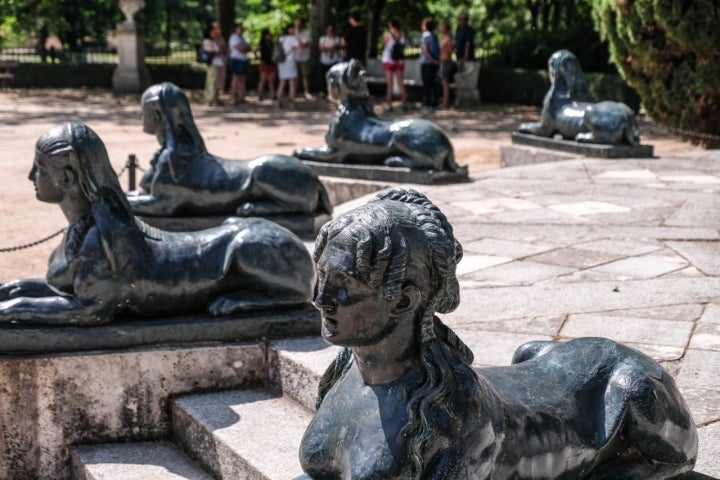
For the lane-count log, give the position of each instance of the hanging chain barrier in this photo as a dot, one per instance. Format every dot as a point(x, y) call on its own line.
point(32, 244)
point(131, 167)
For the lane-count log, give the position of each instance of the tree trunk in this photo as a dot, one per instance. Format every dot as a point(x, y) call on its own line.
point(319, 18)
point(374, 26)
point(225, 16)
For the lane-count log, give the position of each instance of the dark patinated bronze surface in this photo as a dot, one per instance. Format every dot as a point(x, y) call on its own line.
point(109, 264)
point(567, 111)
point(402, 401)
point(357, 136)
point(185, 179)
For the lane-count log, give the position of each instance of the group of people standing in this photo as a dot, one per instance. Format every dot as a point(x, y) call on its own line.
point(289, 59)
point(435, 59)
point(232, 56)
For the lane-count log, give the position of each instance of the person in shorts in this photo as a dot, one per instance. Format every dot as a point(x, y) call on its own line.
point(239, 64)
point(267, 66)
point(214, 42)
point(394, 68)
point(446, 63)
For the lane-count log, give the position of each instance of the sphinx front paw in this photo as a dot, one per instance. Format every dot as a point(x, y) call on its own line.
point(247, 209)
point(531, 127)
point(320, 154)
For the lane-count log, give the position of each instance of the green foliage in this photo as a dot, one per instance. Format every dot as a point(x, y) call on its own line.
point(275, 15)
point(527, 86)
point(531, 30)
point(668, 51)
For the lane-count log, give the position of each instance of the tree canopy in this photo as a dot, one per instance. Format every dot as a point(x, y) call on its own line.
point(668, 51)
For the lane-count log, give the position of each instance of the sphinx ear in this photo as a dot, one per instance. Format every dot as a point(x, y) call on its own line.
point(70, 176)
point(408, 300)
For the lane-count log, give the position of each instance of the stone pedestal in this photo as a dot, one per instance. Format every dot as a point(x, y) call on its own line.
point(304, 226)
point(113, 382)
point(380, 173)
point(531, 149)
point(131, 74)
point(599, 150)
point(466, 85)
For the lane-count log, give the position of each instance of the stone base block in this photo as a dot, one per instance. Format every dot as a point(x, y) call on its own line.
point(50, 402)
point(387, 174)
point(128, 333)
point(517, 155)
point(587, 149)
point(130, 80)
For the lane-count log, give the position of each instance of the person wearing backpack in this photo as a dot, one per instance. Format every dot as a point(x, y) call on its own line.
point(429, 64)
point(393, 55)
point(287, 67)
point(214, 43)
point(239, 64)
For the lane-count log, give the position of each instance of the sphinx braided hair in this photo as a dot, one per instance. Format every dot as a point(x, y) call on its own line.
point(444, 359)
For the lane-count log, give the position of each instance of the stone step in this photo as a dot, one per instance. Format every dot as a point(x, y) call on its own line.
point(133, 461)
point(242, 434)
point(296, 366)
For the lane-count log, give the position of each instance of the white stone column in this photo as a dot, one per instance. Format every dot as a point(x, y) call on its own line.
point(131, 74)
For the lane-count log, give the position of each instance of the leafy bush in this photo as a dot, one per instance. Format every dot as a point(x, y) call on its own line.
point(668, 51)
point(515, 85)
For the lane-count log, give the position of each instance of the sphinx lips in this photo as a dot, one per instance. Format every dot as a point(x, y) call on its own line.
point(329, 326)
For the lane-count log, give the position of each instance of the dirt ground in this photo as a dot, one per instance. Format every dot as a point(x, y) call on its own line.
point(243, 132)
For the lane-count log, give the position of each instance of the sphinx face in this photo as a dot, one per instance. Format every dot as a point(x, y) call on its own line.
point(151, 117)
point(353, 312)
point(48, 187)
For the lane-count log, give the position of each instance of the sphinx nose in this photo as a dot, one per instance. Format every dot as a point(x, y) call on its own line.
point(323, 301)
point(32, 174)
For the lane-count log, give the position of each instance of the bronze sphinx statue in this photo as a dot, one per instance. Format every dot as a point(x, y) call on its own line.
point(568, 112)
point(110, 264)
point(357, 135)
point(401, 401)
point(185, 179)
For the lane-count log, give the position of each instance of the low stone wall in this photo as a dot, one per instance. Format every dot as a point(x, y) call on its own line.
point(50, 402)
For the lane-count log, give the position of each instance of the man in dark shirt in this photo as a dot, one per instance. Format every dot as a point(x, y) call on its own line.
point(354, 39)
point(464, 39)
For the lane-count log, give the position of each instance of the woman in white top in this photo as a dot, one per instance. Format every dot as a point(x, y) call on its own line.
point(287, 70)
point(239, 63)
point(394, 68)
point(329, 44)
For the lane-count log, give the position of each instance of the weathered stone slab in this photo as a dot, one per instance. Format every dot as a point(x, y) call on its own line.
point(586, 149)
point(388, 174)
point(500, 303)
point(127, 333)
point(296, 366)
point(50, 402)
point(705, 256)
point(519, 155)
point(242, 434)
point(517, 273)
point(632, 330)
point(708, 459)
point(134, 461)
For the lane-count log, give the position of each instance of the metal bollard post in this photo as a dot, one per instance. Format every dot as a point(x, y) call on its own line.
point(131, 166)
